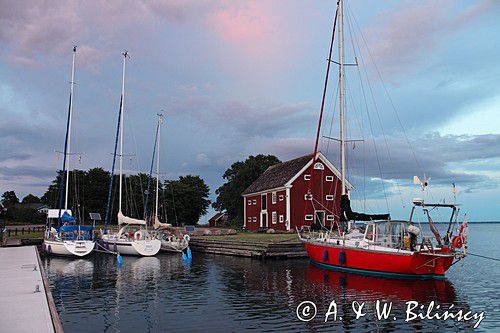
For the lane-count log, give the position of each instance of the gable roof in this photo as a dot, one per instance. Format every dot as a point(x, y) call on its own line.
point(217, 216)
point(278, 175)
point(284, 174)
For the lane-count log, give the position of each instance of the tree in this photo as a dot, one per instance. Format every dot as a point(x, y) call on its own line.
point(185, 200)
point(30, 198)
point(238, 177)
point(9, 198)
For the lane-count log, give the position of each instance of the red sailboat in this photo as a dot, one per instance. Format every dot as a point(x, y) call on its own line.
point(382, 246)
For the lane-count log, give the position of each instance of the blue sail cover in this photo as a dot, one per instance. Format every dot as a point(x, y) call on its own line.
point(72, 232)
point(67, 218)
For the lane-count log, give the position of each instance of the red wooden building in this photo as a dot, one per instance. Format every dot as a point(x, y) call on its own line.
point(279, 198)
point(218, 220)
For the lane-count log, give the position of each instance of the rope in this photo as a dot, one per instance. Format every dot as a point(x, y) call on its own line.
point(484, 257)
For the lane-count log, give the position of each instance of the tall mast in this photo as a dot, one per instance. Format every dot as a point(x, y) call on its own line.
point(125, 54)
point(160, 118)
point(68, 152)
point(342, 92)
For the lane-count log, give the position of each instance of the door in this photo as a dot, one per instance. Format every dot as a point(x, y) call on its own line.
point(319, 217)
point(263, 219)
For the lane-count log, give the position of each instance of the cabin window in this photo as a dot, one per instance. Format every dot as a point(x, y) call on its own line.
point(274, 197)
point(329, 178)
point(319, 166)
point(329, 197)
point(274, 217)
point(281, 219)
point(254, 202)
point(329, 217)
point(309, 217)
point(307, 177)
point(263, 202)
point(254, 219)
point(282, 197)
point(308, 196)
point(369, 232)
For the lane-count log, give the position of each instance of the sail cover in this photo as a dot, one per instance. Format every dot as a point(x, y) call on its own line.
point(122, 219)
point(348, 215)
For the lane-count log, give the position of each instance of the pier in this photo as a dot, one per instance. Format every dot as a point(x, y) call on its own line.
point(26, 303)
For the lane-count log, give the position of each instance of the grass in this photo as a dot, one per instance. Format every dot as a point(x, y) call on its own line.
point(31, 235)
point(255, 237)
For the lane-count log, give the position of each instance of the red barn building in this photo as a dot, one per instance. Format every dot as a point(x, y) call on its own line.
point(279, 198)
point(218, 220)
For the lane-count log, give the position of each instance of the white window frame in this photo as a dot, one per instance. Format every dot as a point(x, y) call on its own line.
point(307, 177)
point(254, 219)
point(249, 219)
point(254, 202)
point(329, 178)
point(282, 197)
point(274, 198)
point(330, 197)
point(330, 217)
point(309, 217)
point(282, 218)
point(249, 202)
point(319, 166)
point(308, 196)
point(274, 217)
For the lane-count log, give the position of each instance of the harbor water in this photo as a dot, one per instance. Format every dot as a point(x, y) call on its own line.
point(216, 293)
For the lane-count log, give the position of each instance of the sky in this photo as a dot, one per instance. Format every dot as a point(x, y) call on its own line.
point(239, 78)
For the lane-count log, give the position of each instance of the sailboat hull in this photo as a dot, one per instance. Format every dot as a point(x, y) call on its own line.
point(404, 264)
point(69, 248)
point(145, 247)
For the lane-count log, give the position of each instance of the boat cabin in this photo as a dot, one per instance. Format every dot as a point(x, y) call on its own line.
point(387, 233)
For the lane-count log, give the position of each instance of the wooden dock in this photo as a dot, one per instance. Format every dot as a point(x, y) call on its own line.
point(260, 250)
point(26, 303)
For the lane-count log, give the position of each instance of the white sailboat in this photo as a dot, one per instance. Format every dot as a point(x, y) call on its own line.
point(133, 238)
point(170, 239)
point(66, 237)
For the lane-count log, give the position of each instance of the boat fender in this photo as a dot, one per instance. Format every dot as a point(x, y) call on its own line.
point(457, 242)
point(342, 257)
point(187, 238)
point(325, 255)
point(189, 255)
point(119, 258)
point(414, 230)
point(138, 235)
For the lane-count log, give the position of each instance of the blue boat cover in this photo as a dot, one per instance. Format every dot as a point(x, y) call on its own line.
point(70, 232)
point(67, 218)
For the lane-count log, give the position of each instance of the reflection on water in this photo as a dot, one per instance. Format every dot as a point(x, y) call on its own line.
point(221, 294)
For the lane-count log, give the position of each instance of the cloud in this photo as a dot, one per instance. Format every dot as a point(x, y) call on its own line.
point(406, 34)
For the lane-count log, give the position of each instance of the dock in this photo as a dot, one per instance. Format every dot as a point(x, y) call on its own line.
point(26, 303)
point(244, 248)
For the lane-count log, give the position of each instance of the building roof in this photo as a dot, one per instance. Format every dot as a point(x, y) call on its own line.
point(217, 216)
point(278, 175)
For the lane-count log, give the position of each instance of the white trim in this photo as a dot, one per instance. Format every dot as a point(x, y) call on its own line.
point(282, 218)
point(308, 196)
point(330, 166)
point(329, 178)
point(281, 197)
point(288, 208)
point(281, 188)
point(249, 219)
point(244, 212)
point(262, 220)
point(330, 197)
point(254, 219)
point(254, 202)
point(319, 166)
point(307, 177)
point(309, 217)
point(249, 201)
point(261, 201)
point(274, 217)
point(330, 217)
point(274, 197)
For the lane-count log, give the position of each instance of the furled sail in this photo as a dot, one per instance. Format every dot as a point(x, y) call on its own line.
point(122, 219)
point(158, 224)
point(348, 215)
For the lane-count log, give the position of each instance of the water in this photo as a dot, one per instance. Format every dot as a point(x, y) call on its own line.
point(230, 294)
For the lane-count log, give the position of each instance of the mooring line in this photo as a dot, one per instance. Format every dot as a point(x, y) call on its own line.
point(485, 257)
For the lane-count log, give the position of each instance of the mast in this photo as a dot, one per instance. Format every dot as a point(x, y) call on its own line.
point(341, 94)
point(160, 117)
point(125, 54)
point(72, 87)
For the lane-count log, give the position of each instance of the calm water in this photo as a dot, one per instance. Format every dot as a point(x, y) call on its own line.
point(230, 294)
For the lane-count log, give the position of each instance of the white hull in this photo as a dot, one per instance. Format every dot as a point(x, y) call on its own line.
point(71, 248)
point(173, 246)
point(143, 247)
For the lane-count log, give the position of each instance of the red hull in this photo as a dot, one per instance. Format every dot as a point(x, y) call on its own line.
point(378, 262)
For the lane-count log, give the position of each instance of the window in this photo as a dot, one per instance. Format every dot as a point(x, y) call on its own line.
point(329, 217)
point(319, 166)
point(275, 217)
point(307, 177)
point(273, 197)
point(329, 197)
point(249, 202)
point(329, 178)
point(281, 219)
point(308, 196)
point(254, 219)
point(263, 202)
point(369, 232)
point(249, 219)
point(309, 217)
point(254, 202)
point(282, 197)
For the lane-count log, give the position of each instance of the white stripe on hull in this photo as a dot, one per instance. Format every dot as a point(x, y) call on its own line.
point(78, 248)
